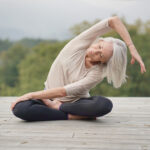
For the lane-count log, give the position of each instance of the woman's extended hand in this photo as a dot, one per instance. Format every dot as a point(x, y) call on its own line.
point(116, 24)
point(135, 56)
point(21, 98)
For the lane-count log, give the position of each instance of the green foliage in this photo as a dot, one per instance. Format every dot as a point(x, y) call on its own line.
point(5, 44)
point(34, 68)
point(9, 60)
point(25, 65)
point(28, 42)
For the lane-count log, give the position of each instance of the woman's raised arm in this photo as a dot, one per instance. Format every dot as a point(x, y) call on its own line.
point(116, 24)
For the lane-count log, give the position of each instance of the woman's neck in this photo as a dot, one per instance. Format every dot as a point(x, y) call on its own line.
point(89, 63)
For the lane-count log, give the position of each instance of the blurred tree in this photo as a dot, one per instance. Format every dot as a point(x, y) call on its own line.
point(29, 42)
point(5, 44)
point(9, 60)
point(24, 67)
point(8, 68)
point(33, 70)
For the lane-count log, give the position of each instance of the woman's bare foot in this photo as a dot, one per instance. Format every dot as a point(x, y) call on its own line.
point(56, 104)
point(75, 117)
point(52, 104)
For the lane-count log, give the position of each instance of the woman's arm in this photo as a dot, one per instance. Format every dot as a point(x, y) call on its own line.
point(116, 24)
point(50, 93)
point(44, 94)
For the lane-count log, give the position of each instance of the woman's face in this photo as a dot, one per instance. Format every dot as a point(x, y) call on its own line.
point(100, 51)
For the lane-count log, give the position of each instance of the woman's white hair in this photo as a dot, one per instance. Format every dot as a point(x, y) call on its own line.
point(115, 68)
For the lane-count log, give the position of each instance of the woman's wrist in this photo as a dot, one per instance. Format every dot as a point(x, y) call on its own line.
point(130, 44)
point(31, 95)
point(37, 95)
point(131, 47)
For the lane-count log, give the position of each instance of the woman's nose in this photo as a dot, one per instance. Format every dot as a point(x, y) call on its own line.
point(100, 50)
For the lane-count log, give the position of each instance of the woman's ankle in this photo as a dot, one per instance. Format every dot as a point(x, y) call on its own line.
point(76, 117)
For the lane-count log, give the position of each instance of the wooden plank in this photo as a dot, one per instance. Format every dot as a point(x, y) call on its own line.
point(100, 143)
point(79, 135)
point(127, 127)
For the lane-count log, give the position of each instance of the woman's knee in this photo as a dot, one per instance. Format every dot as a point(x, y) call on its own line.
point(103, 106)
point(20, 110)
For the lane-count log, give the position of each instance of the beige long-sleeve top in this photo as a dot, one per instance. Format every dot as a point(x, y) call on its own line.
point(68, 69)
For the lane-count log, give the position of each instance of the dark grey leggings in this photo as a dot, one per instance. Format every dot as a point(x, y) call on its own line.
point(36, 110)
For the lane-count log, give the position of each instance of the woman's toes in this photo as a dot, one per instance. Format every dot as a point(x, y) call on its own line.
point(56, 104)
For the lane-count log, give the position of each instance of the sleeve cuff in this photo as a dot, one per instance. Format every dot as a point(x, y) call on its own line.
point(106, 22)
point(67, 88)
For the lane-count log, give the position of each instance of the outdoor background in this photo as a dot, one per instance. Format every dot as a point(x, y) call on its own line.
point(33, 32)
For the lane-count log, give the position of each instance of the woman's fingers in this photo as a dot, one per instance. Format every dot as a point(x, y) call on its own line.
point(21, 98)
point(13, 105)
point(143, 69)
point(18, 100)
point(135, 56)
point(139, 60)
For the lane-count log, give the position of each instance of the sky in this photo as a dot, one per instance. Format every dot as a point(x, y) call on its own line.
point(52, 19)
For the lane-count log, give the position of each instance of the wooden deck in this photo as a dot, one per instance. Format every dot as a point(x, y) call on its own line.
point(127, 127)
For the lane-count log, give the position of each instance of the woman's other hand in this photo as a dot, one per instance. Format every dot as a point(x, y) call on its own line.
point(116, 24)
point(21, 98)
point(135, 56)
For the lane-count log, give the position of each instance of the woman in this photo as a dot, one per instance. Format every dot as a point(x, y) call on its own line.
point(83, 63)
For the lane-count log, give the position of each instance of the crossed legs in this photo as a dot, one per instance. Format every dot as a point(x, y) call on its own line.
point(36, 110)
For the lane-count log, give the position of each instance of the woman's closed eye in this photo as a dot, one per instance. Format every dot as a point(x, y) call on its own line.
point(100, 47)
